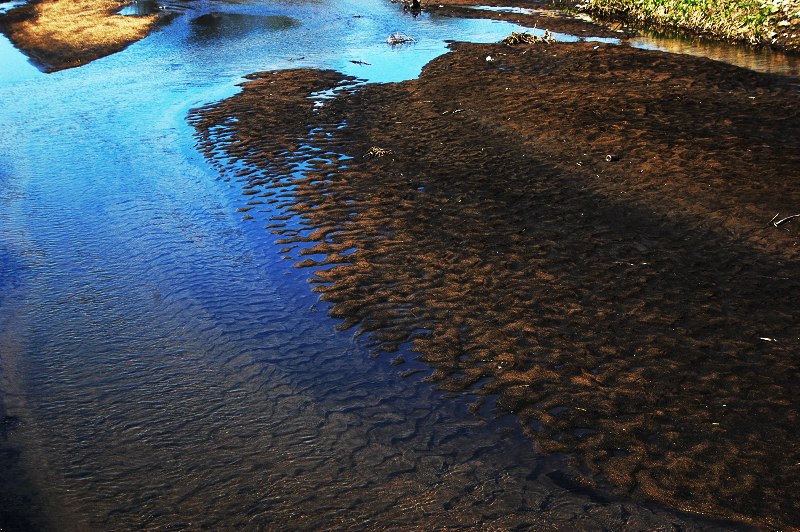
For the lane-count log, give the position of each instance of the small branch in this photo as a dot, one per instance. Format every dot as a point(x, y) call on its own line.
point(779, 222)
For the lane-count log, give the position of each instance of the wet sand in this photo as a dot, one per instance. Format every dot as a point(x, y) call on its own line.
point(532, 14)
point(59, 34)
point(637, 315)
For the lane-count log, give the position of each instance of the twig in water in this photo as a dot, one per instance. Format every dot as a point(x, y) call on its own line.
point(779, 222)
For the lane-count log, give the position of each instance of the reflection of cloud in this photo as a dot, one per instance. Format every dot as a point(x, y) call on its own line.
point(231, 25)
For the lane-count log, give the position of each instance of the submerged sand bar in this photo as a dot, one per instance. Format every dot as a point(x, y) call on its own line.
point(580, 230)
point(61, 34)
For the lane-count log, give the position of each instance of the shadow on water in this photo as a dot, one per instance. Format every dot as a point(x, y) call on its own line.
point(212, 26)
point(18, 497)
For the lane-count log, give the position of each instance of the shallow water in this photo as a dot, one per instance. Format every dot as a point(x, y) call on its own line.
point(162, 365)
point(758, 59)
point(7, 6)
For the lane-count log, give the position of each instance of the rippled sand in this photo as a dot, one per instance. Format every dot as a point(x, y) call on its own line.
point(637, 315)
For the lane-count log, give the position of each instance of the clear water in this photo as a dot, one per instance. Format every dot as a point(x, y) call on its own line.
point(759, 59)
point(7, 6)
point(162, 364)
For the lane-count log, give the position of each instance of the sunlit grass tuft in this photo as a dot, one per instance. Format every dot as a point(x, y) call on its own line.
point(64, 33)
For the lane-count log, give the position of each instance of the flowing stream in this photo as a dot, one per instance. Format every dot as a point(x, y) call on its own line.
point(162, 366)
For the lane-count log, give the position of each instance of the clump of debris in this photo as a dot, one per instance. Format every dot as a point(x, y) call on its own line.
point(528, 38)
point(375, 151)
point(399, 38)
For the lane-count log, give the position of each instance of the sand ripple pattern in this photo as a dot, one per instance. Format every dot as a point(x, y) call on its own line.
point(161, 367)
point(639, 315)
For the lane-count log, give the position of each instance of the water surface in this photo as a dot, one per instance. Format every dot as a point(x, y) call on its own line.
point(761, 59)
point(162, 365)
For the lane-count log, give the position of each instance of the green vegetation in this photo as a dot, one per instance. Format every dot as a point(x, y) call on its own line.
point(754, 21)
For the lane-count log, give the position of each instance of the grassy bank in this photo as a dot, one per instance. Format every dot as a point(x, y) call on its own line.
point(775, 22)
point(61, 34)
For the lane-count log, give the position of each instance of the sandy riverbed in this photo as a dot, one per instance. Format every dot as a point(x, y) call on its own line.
point(638, 313)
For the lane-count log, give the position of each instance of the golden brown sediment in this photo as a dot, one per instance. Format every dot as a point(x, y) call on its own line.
point(59, 34)
point(639, 314)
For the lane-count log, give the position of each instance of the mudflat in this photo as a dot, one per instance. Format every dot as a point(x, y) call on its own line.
point(59, 34)
point(597, 239)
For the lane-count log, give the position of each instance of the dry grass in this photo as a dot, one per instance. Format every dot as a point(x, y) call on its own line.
point(65, 33)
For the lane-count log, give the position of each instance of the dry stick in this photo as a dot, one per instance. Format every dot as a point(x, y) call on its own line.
point(779, 222)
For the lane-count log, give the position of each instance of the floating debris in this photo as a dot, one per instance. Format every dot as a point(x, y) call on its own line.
point(782, 220)
point(359, 62)
point(375, 151)
point(399, 38)
point(527, 38)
